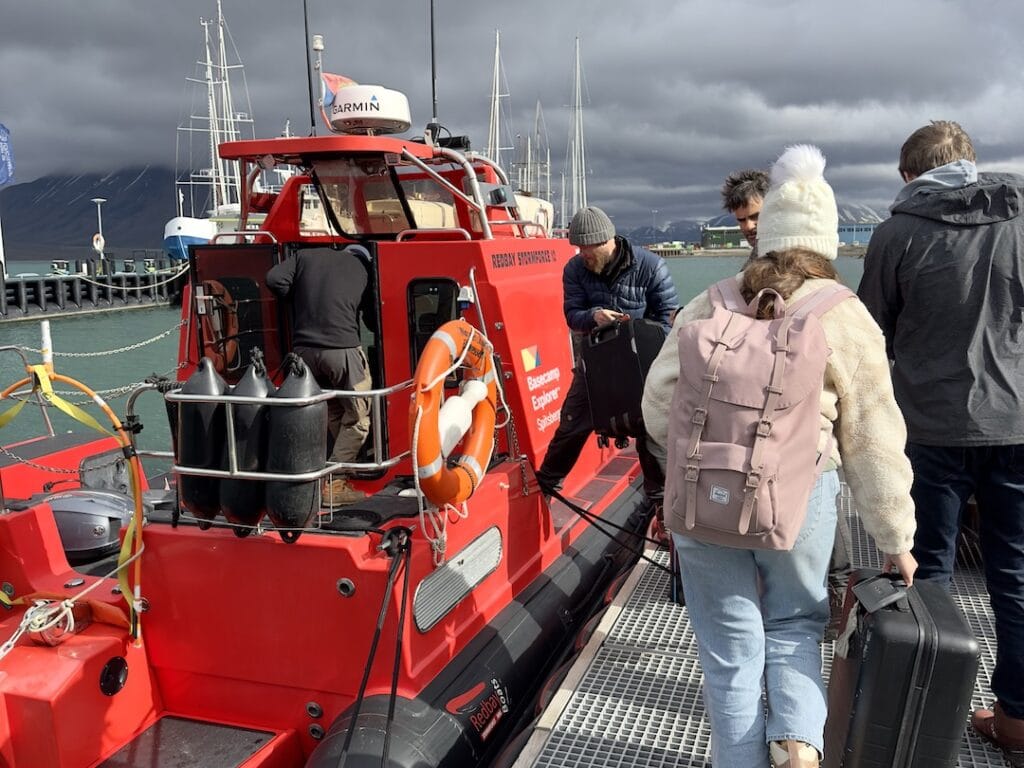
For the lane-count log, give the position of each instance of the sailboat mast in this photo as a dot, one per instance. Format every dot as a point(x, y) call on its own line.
point(578, 162)
point(494, 128)
point(228, 130)
point(541, 166)
point(211, 109)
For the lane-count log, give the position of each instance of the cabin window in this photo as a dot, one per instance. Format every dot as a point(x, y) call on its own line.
point(368, 197)
point(432, 303)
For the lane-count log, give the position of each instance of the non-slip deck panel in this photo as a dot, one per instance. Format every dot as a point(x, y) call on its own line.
point(181, 743)
point(638, 703)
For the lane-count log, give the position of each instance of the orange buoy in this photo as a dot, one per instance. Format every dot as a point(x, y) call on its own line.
point(444, 479)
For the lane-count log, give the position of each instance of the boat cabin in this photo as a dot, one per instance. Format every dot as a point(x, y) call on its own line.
point(446, 241)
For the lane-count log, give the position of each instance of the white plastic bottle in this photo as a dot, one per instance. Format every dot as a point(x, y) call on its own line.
point(457, 414)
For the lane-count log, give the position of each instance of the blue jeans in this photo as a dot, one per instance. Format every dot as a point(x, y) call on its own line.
point(944, 479)
point(759, 616)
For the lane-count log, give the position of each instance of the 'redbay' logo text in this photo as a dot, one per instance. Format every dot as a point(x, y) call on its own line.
point(489, 711)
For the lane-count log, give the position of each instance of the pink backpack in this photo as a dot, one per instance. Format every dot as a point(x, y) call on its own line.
point(745, 420)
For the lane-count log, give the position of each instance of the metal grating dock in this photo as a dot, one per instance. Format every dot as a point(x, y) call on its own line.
point(632, 699)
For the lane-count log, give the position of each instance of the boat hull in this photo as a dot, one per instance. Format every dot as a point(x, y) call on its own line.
point(183, 231)
point(488, 692)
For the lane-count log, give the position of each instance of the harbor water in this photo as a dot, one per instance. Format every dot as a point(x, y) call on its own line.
point(101, 352)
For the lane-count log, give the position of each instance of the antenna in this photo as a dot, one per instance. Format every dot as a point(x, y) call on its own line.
point(309, 68)
point(430, 133)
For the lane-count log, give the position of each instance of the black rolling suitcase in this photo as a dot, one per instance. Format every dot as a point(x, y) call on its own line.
point(615, 360)
point(900, 695)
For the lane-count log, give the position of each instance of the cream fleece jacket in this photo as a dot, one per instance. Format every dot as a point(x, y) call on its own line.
point(857, 406)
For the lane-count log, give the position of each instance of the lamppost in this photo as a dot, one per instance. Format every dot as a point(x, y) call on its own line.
point(654, 219)
point(97, 242)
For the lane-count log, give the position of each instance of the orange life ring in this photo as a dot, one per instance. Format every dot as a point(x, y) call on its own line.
point(452, 481)
point(218, 325)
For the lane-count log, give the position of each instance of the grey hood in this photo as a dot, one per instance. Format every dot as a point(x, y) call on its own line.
point(994, 197)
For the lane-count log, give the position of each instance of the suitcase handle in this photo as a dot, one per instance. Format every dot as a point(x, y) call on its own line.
point(878, 592)
point(604, 332)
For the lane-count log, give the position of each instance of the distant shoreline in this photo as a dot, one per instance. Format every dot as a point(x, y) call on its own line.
point(845, 251)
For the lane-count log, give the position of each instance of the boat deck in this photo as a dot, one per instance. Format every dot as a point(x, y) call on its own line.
point(633, 696)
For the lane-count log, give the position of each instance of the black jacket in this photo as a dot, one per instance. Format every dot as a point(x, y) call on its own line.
point(637, 283)
point(328, 292)
point(944, 278)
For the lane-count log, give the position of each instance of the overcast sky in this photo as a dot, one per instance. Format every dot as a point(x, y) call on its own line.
point(678, 92)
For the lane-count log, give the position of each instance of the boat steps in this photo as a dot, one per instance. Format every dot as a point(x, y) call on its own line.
point(633, 696)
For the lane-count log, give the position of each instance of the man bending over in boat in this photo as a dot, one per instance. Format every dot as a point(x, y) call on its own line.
point(327, 292)
point(608, 281)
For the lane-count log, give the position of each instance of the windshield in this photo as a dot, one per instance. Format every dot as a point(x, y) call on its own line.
point(369, 198)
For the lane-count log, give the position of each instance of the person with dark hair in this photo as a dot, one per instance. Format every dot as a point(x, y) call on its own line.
point(608, 281)
point(944, 278)
point(328, 292)
point(742, 195)
point(760, 614)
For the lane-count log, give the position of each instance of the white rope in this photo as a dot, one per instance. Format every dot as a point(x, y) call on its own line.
point(436, 531)
point(46, 614)
point(170, 279)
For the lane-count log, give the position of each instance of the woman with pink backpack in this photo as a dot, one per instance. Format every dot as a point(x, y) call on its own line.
point(767, 383)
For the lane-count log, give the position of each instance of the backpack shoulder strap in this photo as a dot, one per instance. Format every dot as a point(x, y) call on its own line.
point(820, 301)
point(727, 294)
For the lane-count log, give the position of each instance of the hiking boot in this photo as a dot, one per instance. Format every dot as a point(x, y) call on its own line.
point(1005, 732)
point(658, 530)
point(793, 754)
point(337, 493)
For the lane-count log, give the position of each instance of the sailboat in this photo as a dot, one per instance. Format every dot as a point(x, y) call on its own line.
point(532, 206)
point(208, 196)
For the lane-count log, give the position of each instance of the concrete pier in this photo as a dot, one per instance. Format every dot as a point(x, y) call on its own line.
point(126, 285)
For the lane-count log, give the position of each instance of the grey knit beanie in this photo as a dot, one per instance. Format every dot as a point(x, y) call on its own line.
point(590, 226)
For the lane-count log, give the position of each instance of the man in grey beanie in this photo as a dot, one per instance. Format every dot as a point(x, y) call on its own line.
point(608, 281)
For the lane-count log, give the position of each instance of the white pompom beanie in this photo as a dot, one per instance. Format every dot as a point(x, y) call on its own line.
point(799, 209)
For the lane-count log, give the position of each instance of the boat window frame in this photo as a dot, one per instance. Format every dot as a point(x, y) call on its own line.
point(418, 338)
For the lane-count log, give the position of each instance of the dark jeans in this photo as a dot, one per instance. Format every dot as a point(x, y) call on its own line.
point(574, 429)
point(944, 479)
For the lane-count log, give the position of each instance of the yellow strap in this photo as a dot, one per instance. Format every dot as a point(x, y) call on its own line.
point(54, 399)
point(122, 575)
point(5, 601)
point(8, 416)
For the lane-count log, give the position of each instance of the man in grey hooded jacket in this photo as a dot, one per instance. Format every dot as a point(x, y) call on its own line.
point(944, 278)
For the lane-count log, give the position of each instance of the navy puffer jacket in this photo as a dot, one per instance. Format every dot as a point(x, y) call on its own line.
point(636, 282)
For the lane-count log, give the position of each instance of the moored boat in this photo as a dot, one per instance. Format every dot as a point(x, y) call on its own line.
point(412, 628)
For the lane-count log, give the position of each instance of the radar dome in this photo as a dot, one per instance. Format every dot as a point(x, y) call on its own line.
point(369, 108)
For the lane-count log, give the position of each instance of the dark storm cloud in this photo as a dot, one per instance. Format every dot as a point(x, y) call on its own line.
point(678, 93)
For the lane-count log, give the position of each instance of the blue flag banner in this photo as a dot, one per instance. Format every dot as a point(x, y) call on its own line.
point(6, 156)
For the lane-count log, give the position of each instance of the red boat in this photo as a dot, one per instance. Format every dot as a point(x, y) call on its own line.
point(412, 629)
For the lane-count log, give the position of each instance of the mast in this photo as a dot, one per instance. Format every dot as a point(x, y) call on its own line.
point(541, 174)
point(577, 154)
point(213, 138)
point(494, 129)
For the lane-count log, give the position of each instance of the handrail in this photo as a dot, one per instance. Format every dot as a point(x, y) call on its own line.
point(376, 397)
point(244, 233)
point(522, 223)
point(439, 230)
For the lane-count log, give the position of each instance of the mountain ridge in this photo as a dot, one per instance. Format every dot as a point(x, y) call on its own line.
point(54, 216)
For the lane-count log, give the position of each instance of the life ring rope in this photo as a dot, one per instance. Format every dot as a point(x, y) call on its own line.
point(447, 484)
